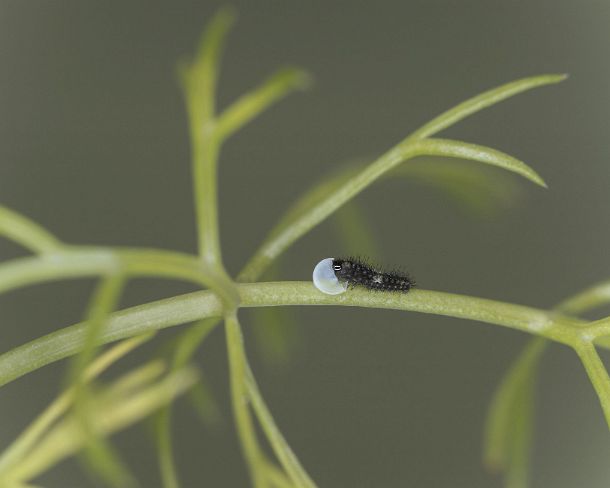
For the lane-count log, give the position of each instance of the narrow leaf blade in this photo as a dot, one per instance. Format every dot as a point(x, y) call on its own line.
point(482, 101)
point(200, 77)
point(513, 396)
point(482, 154)
point(26, 232)
point(115, 413)
point(252, 104)
point(590, 298)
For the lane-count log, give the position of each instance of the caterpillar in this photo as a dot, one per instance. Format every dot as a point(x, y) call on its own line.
point(335, 275)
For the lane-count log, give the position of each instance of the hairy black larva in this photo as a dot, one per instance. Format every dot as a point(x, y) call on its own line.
point(335, 275)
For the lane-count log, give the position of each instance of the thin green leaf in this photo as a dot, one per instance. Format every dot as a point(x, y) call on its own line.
point(32, 434)
point(26, 232)
point(508, 440)
point(246, 431)
point(482, 154)
point(101, 459)
point(165, 450)
point(113, 354)
point(133, 381)
point(597, 374)
point(276, 477)
point(593, 297)
point(113, 413)
point(517, 475)
point(282, 450)
point(243, 385)
point(199, 85)
point(99, 456)
point(200, 77)
point(184, 349)
point(250, 105)
point(76, 262)
point(510, 413)
point(103, 302)
point(482, 101)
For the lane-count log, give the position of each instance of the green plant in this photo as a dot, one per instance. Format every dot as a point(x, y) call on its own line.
point(82, 417)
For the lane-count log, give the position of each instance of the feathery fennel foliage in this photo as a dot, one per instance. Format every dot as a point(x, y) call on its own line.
point(84, 415)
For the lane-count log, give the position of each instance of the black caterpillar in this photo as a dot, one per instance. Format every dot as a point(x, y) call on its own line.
point(356, 272)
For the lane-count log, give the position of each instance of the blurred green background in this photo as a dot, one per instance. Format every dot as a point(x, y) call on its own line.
point(93, 145)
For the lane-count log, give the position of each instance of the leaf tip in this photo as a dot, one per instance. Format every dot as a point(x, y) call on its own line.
point(223, 19)
point(552, 78)
point(540, 182)
point(296, 78)
point(304, 79)
point(215, 32)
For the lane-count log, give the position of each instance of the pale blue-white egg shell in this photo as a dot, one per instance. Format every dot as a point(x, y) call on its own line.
point(325, 280)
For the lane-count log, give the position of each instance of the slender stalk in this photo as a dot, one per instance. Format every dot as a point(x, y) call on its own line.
point(597, 374)
point(98, 453)
point(194, 306)
point(205, 154)
point(186, 346)
point(164, 445)
point(26, 232)
point(82, 261)
point(239, 398)
point(282, 450)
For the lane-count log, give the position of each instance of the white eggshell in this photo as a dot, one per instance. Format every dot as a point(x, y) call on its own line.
point(325, 280)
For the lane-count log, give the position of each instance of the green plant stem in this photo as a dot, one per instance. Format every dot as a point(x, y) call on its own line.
point(588, 299)
point(597, 374)
point(186, 346)
point(165, 452)
point(276, 477)
point(194, 306)
point(98, 453)
point(509, 421)
point(26, 232)
point(509, 412)
point(205, 155)
point(239, 401)
point(282, 450)
point(253, 103)
point(199, 80)
point(82, 261)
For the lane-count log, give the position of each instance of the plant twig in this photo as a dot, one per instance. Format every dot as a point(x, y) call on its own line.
point(194, 306)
